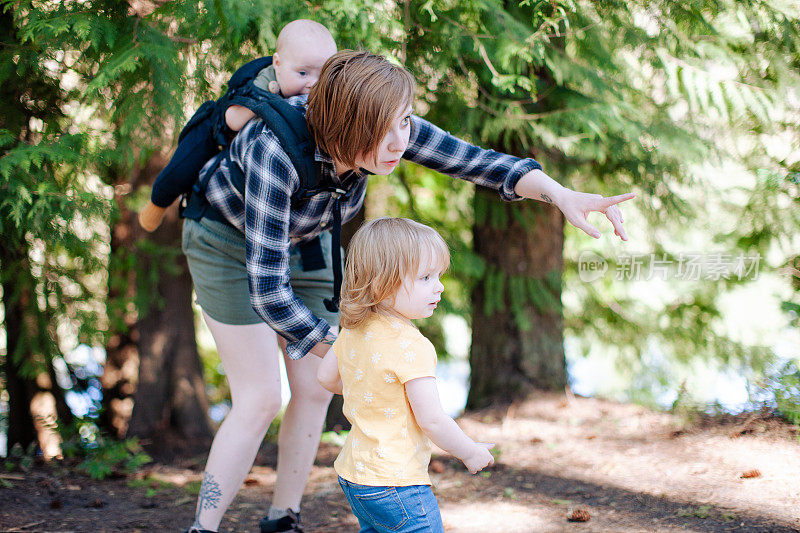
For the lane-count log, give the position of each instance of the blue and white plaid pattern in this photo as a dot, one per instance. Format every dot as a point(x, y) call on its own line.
point(270, 223)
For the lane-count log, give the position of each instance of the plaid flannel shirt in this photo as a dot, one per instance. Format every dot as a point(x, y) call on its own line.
point(271, 224)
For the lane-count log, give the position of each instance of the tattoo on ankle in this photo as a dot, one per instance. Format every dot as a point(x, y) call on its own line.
point(209, 496)
point(547, 199)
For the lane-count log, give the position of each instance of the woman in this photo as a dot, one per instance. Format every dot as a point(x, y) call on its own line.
point(252, 264)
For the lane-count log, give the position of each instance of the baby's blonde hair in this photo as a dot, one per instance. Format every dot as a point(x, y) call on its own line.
point(302, 31)
point(383, 253)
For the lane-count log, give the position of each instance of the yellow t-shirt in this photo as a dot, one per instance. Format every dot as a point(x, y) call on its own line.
point(385, 445)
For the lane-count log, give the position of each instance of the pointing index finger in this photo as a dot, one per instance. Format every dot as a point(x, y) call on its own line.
point(605, 203)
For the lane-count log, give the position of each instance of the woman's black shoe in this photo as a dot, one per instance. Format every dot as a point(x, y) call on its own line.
point(290, 522)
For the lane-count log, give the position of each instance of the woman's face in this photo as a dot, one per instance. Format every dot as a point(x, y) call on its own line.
point(387, 156)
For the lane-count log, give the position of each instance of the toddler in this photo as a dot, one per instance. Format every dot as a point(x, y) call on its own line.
point(385, 369)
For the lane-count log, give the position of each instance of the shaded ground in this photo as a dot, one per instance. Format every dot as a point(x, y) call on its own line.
point(631, 469)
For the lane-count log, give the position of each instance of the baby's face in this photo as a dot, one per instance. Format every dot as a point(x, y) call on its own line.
point(298, 65)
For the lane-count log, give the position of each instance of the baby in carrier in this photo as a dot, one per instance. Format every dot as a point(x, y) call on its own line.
point(302, 49)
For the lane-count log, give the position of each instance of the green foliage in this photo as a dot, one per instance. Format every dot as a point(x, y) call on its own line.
point(101, 455)
point(274, 428)
point(629, 96)
point(784, 385)
point(614, 96)
point(331, 437)
point(52, 250)
point(696, 512)
point(152, 485)
point(126, 266)
point(609, 96)
point(193, 487)
point(19, 458)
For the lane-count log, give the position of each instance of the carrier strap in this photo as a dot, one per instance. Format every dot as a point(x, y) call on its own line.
point(332, 304)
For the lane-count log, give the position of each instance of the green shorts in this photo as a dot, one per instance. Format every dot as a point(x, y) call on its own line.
point(216, 256)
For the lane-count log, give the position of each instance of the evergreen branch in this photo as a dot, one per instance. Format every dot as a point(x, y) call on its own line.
point(146, 7)
point(691, 67)
point(485, 57)
point(406, 28)
point(411, 205)
point(490, 97)
point(184, 40)
point(469, 31)
point(18, 46)
point(537, 116)
point(534, 35)
point(562, 34)
point(533, 116)
point(135, 29)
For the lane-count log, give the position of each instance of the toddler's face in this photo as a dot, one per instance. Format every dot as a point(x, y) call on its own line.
point(419, 294)
point(298, 65)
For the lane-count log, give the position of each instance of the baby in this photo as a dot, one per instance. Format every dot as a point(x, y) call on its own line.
point(303, 48)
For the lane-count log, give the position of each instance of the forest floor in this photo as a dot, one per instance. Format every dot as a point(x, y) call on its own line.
point(629, 468)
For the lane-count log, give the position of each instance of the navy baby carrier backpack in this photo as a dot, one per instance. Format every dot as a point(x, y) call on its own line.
point(206, 135)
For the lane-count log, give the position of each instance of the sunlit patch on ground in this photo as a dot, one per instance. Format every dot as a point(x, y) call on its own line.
point(508, 517)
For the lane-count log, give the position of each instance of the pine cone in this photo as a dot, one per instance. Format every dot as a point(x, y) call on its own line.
point(751, 474)
point(579, 515)
point(437, 467)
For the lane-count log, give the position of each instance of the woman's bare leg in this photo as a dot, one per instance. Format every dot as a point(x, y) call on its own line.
point(300, 430)
point(249, 356)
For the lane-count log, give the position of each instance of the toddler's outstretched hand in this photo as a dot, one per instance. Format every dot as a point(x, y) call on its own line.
point(480, 457)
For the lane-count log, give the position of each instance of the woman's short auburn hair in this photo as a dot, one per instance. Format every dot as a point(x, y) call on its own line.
point(353, 103)
point(382, 254)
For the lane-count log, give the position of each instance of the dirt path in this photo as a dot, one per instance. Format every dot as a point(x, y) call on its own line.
point(631, 469)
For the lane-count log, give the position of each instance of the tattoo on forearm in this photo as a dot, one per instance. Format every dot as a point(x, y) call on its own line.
point(329, 339)
point(547, 199)
point(209, 496)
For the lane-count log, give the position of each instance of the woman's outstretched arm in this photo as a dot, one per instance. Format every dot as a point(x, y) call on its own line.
point(512, 177)
point(575, 205)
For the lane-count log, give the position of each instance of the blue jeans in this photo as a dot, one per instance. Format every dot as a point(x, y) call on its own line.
point(394, 509)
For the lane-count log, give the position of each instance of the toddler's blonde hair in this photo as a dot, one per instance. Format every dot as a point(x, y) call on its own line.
point(383, 253)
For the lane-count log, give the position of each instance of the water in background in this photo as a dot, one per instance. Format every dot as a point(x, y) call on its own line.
point(593, 374)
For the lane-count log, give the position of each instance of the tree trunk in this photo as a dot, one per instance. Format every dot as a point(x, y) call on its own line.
point(517, 326)
point(36, 401)
point(169, 404)
point(21, 387)
point(122, 353)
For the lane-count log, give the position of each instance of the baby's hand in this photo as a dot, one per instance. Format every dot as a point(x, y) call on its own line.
point(480, 457)
point(151, 216)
